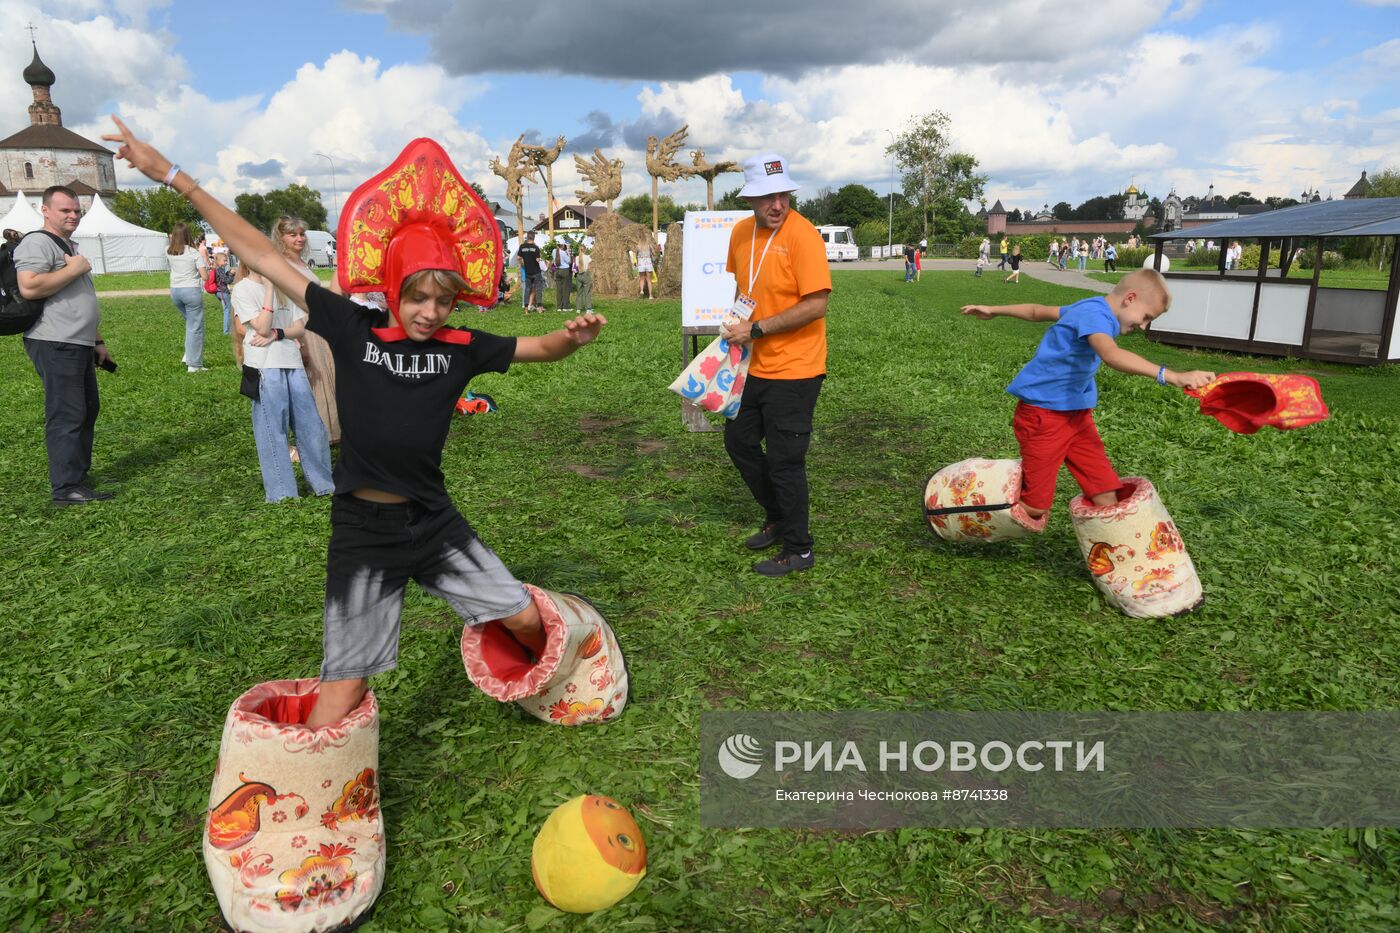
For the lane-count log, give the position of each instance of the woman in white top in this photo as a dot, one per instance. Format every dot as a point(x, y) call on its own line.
point(284, 404)
point(187, 271)
point(289, 235)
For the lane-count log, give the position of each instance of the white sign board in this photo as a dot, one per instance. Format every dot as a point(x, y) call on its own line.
point(707, 291)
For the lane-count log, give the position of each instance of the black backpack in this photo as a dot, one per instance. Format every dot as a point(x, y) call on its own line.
point(18, 314)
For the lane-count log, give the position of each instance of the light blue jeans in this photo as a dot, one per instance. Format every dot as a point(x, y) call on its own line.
point(1083, 261)
point(286, 406)
point(190, 303)
point(228, 310)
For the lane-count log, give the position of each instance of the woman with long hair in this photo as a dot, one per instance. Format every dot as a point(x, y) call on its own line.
point(187, 269)
point(284, 406)
point(289, 235)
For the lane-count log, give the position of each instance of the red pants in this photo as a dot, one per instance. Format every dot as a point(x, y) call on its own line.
point(1050, 438)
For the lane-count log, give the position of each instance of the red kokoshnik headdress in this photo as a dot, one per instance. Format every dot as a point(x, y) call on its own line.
point(417, 214)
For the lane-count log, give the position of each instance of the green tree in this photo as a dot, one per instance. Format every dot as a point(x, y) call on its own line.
point(817, 208)
point(1062, 211)
point(932, 170)
point(853, 205)
point(153, 208)
point(637, 208)
point(1104, 207)
point(261, 210)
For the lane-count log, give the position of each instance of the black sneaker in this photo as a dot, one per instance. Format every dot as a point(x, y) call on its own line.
point(81, 495)
point(785, 563)
point(765, 537)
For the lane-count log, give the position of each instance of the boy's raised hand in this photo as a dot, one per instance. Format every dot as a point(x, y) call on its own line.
point(139, 155)
point(981, 311)
point(1193, 379)
point(584, 328)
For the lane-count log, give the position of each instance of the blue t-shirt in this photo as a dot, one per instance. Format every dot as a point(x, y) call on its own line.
point(1061, 374)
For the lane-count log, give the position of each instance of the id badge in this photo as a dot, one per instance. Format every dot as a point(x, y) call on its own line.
point(742, 309)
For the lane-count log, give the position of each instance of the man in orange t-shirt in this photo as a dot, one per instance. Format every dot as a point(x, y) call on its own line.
point(778, 259)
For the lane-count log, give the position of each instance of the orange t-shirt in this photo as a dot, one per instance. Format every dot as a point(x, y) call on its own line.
point(796, 266)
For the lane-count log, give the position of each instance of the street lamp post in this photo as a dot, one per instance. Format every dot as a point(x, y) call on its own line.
point(335, 196)
point(889, 238)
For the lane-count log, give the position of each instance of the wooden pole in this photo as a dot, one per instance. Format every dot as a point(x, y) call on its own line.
point(654, 215)
point(549, 184)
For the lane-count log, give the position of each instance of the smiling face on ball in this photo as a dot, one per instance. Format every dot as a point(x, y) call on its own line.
point(615, 833)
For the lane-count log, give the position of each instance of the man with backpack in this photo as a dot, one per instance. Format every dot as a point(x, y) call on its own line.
point(64, 344)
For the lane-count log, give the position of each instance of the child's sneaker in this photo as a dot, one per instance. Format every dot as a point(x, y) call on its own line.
point(785, 563)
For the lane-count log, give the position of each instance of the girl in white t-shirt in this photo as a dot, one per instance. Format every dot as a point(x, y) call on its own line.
point(284, 404)
point(187, 270)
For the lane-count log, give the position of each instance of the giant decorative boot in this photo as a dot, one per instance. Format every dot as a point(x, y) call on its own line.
point(978, 500)
point(1135, 554)
point(294, 840)
point(580, 677)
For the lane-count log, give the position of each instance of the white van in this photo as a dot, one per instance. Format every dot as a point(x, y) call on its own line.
point(320, 248)
point(840, 244)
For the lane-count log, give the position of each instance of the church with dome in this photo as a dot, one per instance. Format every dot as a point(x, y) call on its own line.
point(46, 153)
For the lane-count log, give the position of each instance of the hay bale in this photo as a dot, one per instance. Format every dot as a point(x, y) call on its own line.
point(613, 235)
point(668, 277)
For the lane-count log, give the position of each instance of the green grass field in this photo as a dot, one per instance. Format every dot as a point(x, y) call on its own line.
point(131, 626)
point(1371, 279)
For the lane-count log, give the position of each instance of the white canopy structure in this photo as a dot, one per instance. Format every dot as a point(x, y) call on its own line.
point(113, 245)
point(22, 216)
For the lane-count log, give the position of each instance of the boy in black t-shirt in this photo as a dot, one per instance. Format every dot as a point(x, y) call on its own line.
point(396, 389)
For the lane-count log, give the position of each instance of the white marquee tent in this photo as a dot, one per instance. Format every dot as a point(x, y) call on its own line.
point(109, 243)
point(22, 216)
point(113, 245)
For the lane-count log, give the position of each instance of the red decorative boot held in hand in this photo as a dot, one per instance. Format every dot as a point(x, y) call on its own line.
point(580, 677)
point(294, 840)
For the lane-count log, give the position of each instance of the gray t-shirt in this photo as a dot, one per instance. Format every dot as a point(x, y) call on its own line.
point(70, 315)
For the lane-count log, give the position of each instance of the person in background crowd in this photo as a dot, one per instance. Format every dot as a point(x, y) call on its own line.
point(288, 234)
point(187, 271)
point(223, 281)
point(64, 344)
point(583, 277)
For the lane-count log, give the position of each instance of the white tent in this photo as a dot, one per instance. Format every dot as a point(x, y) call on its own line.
point(22, 216)
point(113, 245)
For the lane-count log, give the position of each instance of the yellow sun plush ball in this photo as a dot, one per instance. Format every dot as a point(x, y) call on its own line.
point(588, 855)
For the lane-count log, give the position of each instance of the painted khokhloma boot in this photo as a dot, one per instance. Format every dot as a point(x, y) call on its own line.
point(978, 501)
point(580, 677)
point(1135, 554)
point(293, 838)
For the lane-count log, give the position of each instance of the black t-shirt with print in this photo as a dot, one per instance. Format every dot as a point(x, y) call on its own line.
point(908, 254)
point(529, 255)
point(396, 399)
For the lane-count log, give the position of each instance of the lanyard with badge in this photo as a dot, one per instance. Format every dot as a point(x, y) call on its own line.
point(744, 304)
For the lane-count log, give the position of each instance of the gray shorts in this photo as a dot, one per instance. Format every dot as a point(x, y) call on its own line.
point(375, 549)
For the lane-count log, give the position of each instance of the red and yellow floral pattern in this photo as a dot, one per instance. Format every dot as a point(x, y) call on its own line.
point(1135, 554)
point(421, 186)
point(1246, 402)
point(287, 859)
point(580, 677)
point(952, 496)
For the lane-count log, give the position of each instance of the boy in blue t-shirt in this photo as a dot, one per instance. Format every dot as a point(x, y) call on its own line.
point(1054, 420)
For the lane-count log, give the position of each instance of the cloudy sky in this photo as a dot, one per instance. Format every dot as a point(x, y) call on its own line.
point(1058, 101)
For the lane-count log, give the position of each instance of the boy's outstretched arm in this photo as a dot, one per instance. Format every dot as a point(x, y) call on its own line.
point(1126, 361)
point(1049, 313)
point(250, 244)
point(559, 344)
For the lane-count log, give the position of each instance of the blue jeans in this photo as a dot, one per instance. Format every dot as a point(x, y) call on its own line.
point(286, 405)
point(228, 310)
point(190, 303)
point(908, 271)
point(1083, 261)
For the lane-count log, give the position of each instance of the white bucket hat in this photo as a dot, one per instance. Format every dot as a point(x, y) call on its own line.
point(766, 174)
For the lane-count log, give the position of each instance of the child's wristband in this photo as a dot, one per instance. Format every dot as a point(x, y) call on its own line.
point(1161, 375)
point(169, 178)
